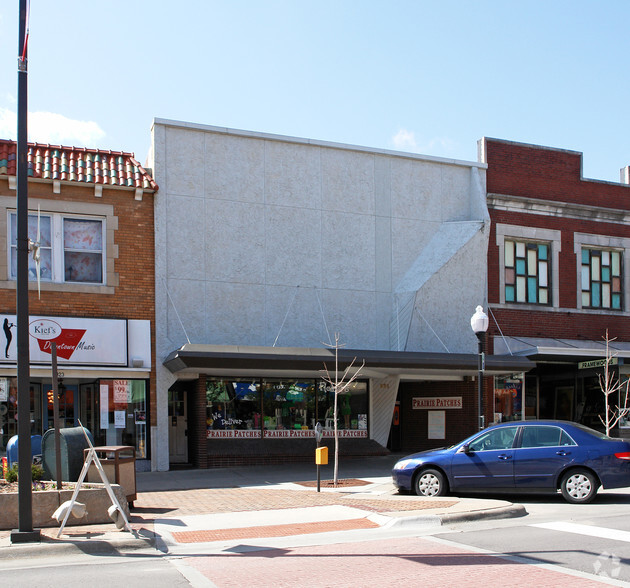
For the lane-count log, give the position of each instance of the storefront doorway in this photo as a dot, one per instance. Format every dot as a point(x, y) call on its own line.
point(178, 426)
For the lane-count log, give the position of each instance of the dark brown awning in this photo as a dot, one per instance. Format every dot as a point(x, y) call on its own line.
point(227, 360)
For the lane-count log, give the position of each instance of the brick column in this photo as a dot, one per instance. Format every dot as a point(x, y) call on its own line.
point(198, 443)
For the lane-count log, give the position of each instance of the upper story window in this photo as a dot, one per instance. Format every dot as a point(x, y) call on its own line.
point(526, 266)
point(72, 248)
point(602, 278)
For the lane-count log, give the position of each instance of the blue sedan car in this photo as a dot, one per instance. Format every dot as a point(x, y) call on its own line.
point(521, 456)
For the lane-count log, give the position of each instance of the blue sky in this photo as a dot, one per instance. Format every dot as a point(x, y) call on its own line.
point(431, 77)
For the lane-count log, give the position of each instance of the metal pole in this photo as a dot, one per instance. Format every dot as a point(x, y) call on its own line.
point(25, 531)
point(480, 379)
point(55, 375)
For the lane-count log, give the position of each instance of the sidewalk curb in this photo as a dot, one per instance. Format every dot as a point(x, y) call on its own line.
point(502, 512)
point(59, 547)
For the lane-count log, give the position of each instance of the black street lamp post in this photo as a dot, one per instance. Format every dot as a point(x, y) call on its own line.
point(479, 324)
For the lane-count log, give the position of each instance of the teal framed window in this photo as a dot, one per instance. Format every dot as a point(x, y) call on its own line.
point(602, 279)
point(527, 271)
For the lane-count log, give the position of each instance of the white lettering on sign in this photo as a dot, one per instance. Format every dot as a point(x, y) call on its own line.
point(281, 434)
point(436, 402)
point(233, 434)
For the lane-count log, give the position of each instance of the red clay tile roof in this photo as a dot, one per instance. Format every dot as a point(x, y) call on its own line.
point(78, 164)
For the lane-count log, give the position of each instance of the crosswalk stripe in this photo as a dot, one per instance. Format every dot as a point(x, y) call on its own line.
point(589, 530)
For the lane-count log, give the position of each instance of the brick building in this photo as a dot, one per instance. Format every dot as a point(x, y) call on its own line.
point(558, 279)
point(94, 213)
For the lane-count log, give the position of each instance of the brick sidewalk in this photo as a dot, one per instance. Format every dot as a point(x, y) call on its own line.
point(178, 503)
point(221, 500)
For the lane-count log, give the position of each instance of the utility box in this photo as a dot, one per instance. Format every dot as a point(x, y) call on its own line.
point(72, 441)
point(12, 448)
point(119, 465)
point(321, 456)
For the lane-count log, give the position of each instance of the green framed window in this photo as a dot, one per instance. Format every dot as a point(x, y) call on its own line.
point(527, 271)
point(602, 278)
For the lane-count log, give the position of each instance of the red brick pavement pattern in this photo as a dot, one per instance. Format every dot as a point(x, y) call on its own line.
point(217, 500)
point(272, 531)
point(393, 562)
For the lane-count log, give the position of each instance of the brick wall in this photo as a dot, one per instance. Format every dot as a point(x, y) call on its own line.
point(459, 422)
point(134, 296)
point(549, 174)
point(553, 175)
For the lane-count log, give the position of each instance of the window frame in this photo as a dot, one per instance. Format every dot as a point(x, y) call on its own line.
point(603, 243)
point(59, 247)
point(81, 209)
point(531, 235)
point(600, 281)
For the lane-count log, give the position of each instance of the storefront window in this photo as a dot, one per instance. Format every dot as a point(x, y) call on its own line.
point(508, 398)
point(289, 404)
point(122, 415)
point(114, 411)
point(9, 410)
point(233, 405)
point(352, 407)
point(282, 408)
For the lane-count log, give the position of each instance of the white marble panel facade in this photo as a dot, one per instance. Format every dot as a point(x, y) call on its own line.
point(348, 255)
point(347, 181)
point(185, 153)
point(186, 232)
point(294, 317)
point(234, 313)
point(351, 313)
point(293, 245)
point(233, 241)
point(292, 175)
point(246, 210)
point(234, 168)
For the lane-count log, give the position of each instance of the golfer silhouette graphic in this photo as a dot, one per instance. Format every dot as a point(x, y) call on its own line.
point(7, 333)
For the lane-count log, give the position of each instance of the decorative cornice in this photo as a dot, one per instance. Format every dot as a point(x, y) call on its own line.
point(557, 209)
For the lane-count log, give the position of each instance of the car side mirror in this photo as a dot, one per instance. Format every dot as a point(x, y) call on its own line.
point(465, 449)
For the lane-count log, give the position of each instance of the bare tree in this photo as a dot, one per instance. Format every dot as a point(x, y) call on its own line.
point(339, 386)
point(610, 385)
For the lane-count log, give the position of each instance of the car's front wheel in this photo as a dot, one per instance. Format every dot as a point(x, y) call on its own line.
point(579, 486)
point(430, 483)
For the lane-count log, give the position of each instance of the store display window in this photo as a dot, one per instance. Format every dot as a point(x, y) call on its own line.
point(282, 408)
point(120, 417)
point(114, 411)
point(508, 398)
point(352, 407)
point(288, 404)
point(233, 404)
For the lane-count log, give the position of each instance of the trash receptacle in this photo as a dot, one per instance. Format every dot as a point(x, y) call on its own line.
point(119, 465)
point(12, 448)
point(73, 442)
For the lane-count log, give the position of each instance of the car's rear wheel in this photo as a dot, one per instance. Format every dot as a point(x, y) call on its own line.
point(430, 483)
point(579, 486)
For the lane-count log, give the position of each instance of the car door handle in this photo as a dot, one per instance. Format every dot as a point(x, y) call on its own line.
point(563, 453)
point(505, 456)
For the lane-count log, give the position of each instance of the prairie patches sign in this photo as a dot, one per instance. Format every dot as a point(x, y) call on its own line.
point(437, 402)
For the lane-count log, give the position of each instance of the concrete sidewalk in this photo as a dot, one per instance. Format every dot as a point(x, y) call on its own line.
point(202, 506)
